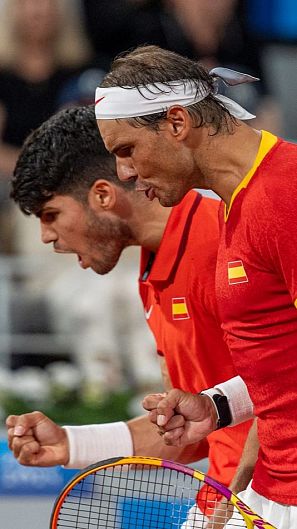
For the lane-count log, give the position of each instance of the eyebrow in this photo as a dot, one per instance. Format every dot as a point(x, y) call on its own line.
point(118, 147)
point(115, 148)
point(44, 209)
point(116, 144)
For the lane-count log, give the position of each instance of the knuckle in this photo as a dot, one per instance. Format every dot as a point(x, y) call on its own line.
point(23, 460)
point(26, 449)
point(11, 420)
point(35, 415)
point(16, 443)
point(153, 416)
point(180, 420)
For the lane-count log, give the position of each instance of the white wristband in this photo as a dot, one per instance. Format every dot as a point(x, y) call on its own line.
point(240, 404)
point(95, 442)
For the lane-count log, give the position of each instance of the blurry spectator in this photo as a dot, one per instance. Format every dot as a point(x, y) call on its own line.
point(215, 32)
point(273, 24)
point(207, 25)
point(114, 26)
point(41, 47)
point(220, 33)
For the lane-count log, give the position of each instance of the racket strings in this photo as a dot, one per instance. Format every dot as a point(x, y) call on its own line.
point(142, 496)
point(217, 512)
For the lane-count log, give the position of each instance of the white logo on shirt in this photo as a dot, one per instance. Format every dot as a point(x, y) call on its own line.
point(147, 313)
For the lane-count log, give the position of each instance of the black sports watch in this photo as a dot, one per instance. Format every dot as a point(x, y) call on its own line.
point(222, 407)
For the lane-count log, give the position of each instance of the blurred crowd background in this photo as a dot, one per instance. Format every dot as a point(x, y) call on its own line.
point(72, 343)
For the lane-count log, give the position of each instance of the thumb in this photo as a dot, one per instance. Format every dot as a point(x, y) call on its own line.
point(167, 406)
point(23, 424)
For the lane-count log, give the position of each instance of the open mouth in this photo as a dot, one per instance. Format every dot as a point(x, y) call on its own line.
point(81, 262)
point(61, 250)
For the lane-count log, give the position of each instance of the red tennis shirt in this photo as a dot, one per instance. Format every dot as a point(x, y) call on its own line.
point(256, 292)
point(177, 287)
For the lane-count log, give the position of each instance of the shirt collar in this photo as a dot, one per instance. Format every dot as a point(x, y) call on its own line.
point(174, 237)
point(268, 141)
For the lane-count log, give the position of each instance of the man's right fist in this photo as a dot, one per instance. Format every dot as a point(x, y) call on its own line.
point(182, 418)
point(36, 440)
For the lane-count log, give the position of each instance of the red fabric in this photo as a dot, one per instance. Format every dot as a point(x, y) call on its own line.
point(193, 346)
point(259, 316)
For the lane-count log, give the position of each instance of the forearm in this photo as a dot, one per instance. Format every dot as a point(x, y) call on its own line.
point(148, 442)
point(91, 443)
point(246, 466)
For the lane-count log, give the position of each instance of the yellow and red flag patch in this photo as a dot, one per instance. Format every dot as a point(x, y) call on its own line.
point(180, 309)
point(236, 273)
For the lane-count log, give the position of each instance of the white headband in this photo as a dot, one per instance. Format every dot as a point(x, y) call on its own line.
point(128, 102)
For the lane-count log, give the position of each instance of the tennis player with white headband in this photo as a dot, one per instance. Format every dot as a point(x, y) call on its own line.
point(161, 115)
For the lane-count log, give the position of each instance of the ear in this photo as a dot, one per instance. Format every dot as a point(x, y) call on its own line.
point(102, 195)
point(178, 122)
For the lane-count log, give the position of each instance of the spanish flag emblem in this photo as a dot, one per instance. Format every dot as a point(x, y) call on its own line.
point(236, 273)
point(180, 309)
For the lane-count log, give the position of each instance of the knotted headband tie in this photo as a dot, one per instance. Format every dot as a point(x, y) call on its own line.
point(118, 102)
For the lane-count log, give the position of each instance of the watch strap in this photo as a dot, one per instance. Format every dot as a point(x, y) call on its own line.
point(224, 417)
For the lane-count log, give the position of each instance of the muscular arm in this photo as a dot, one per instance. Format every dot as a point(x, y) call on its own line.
point(38, 441)
point(246, 466)
point(148, 442)
point(241, 478)
point(185, 418)
point(165, 375)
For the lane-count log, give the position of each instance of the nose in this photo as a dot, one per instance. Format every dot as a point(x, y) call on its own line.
point(126, 170)
point(48, 234)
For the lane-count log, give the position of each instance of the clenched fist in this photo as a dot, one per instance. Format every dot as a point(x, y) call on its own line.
point(36, 440)
point(182, 418)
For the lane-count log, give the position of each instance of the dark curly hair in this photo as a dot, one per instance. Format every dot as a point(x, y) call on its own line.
point(151, 64)
point(64, 156)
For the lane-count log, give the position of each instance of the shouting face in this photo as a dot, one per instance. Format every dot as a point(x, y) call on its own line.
point(97, 239)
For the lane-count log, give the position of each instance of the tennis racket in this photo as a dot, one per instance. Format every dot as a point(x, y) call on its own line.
point(146, 493)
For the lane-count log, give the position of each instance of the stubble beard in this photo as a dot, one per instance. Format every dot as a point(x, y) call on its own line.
point(109, 239)
point(172, 197)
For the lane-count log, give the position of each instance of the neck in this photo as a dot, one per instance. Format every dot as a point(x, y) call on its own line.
point(149, 222)
point(225, 159)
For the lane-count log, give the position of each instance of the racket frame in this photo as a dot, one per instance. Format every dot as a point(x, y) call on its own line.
point(251, 519)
